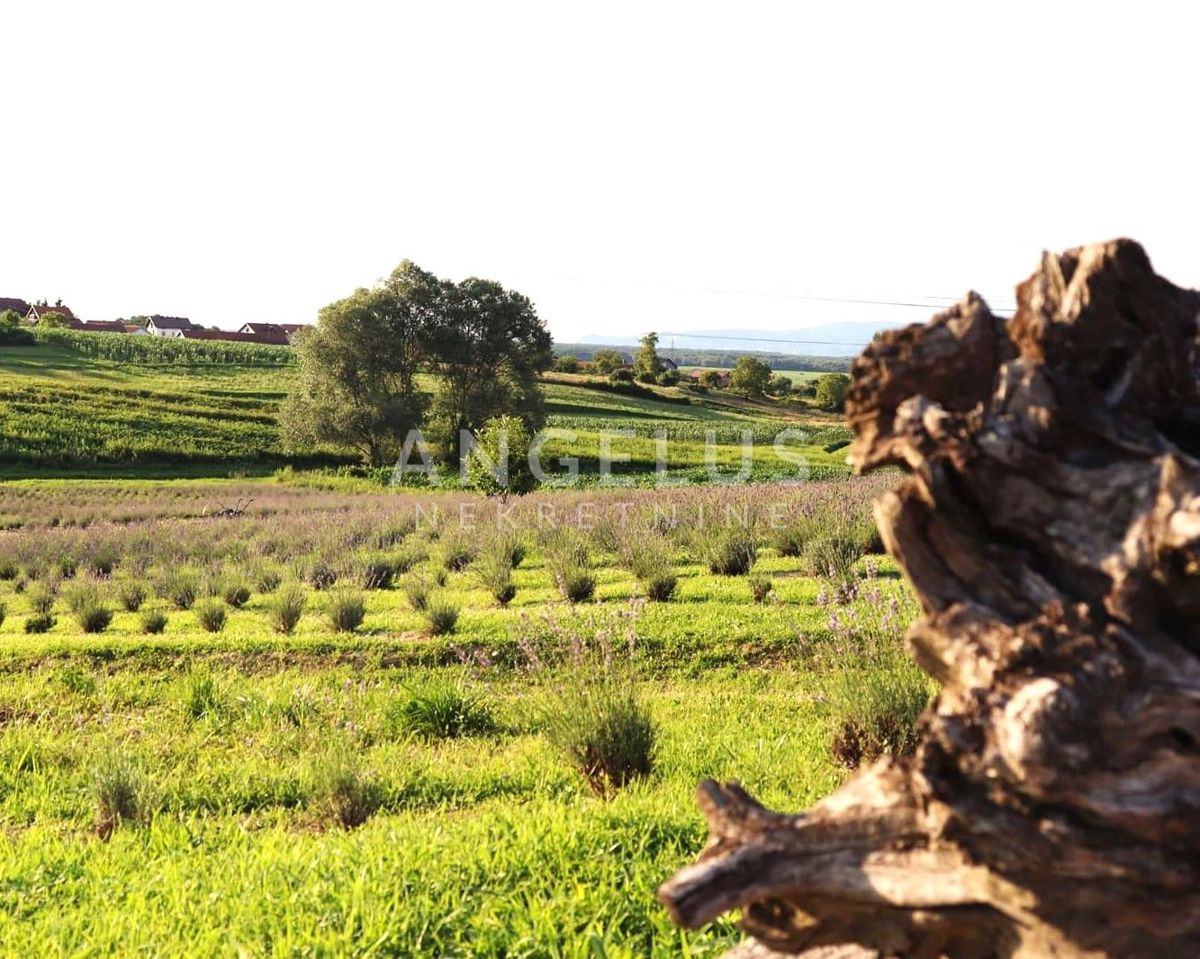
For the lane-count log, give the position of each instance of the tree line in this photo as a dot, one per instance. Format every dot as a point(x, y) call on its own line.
point(358, 367)
point(719, 359)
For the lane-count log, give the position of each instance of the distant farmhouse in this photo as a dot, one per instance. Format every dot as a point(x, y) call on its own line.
point(287, 330)
point(271, 339)
point(100, 326)
point(272, 334)
point(174, 327)
point(38, 310)
point(168, 325)
point(719, 378)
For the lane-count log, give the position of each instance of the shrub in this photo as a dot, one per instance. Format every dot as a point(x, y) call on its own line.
point(406, 559)
point(604, 730)
point(416, 591)
point(832, 389)
point(648, 557)
point(321, 575)
point(41, 596)
point(210, 614)
point(441, 615)
point(514, 545)
point(2, 613)
point(346, 610)
point(267, 578)
point(121, 794)
point(202, 694)
point(234, 591)
point(760, 588)
point(729, 550)
point(790, 539)
point(872, 692)
point(181, 587)
point(377, 572)
point(576, 584)
point(457, 551)
point(494, 569)
point(569, 562)
point(660, 587)
point(131, 593)
point(342, 793)
point(286, 608)
point(873, 711)
point(504, 441)
point(438, 709)
point(86, 603)
point(93, 618)
point(832, 557)
point(39, 623)
point(865, 535)
point(101, 563)
point(8, 569)
point(153, 621)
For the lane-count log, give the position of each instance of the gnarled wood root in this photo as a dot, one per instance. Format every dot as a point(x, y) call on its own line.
point(1050, 524)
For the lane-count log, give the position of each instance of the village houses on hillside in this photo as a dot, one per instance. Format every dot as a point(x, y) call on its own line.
point(176, 327)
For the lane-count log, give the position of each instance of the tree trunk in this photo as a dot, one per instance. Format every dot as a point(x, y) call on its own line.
point(1050, 524)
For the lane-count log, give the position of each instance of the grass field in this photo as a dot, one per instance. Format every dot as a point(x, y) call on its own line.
point(62, 410)
point(399, 788)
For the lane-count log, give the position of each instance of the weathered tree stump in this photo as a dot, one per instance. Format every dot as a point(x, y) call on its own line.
point(1051, 527)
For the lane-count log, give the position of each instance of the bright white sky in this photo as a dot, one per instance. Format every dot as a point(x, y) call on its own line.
point(628, 166)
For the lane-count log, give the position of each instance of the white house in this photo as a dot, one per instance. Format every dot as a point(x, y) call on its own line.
point(168, 325)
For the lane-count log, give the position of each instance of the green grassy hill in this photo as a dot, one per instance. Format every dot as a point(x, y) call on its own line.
point(62, 409)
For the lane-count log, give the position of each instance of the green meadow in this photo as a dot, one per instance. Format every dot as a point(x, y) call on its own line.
point(259, 701)
point(184, 769)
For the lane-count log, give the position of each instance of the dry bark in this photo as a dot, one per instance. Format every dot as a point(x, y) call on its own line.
point(1050, 524)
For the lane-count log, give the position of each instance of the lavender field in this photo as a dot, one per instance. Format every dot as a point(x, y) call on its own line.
point(214, 721)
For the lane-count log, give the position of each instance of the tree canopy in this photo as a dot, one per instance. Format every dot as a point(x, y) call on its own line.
point(831, 391)
point(607, 360)
point(646, 363)
point(750, 376)
point(359, 364)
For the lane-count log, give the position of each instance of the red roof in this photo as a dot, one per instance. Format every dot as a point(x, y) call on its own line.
point(273, 328)
point(41, 309)
point(103, 326)
point(276, 339)
point(10, 303)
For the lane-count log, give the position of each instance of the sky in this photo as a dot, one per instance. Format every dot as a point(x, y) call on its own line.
point(628, 166)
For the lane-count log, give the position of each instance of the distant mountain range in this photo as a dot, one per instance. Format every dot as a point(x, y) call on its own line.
point(825, 339)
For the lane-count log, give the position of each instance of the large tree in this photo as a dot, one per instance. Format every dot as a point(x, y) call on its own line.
point(646, 363)
point(606, 361)
point(358, 366)
point(831, 391)
point(750, 376)
point(488, 347)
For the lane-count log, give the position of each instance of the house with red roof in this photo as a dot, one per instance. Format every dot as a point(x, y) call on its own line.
point(278, 338)
point(38, 310)
point(288, 330)
point(102, 326)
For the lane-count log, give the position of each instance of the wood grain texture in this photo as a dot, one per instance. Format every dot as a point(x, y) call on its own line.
point(1050, 524)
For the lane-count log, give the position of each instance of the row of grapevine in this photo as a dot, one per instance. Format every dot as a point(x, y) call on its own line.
point(166, 350)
